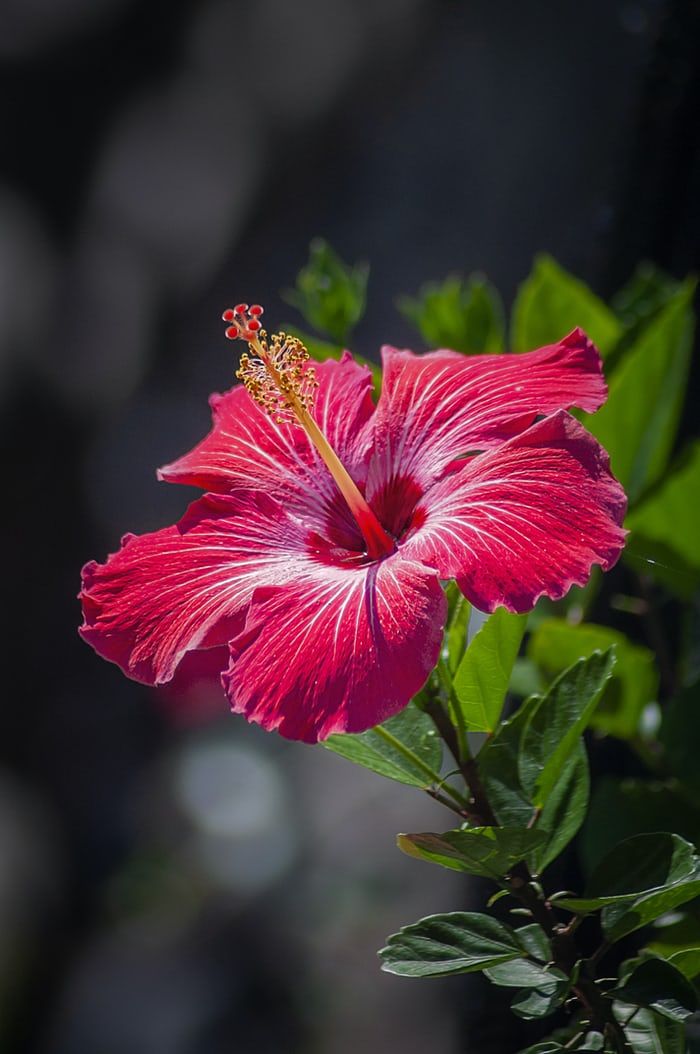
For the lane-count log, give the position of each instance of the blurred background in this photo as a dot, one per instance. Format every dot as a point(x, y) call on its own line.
point(173, 881)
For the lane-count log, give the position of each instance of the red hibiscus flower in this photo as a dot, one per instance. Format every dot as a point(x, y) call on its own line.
point(317, 554)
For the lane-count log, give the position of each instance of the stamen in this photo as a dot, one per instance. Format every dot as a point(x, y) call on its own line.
point(278, 377)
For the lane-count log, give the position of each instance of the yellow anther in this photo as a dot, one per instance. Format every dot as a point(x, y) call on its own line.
point(278, 376)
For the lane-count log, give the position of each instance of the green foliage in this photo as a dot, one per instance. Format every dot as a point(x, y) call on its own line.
point(481, 680)
point(638, 423)
point(676, 933)
point(490, 852)
point(550, 303)
point(542, 988)
point(556, 724)
point(665, 527)
point(462, 315)
point(688, 962)
point(621, 808)
point(565, 808)
point(329, 294)
point(556, 644)
point(458, 942)
point(637, 881)
point(657, 985)
point(406, 748)
point(651, 1033)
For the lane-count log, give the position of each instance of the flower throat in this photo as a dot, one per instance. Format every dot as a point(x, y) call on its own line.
point(278, 377)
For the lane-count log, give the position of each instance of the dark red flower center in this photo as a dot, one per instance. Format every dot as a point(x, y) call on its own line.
point(340, 541)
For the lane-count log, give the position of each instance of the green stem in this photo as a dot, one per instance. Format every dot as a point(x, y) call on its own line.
point(418, 763)
point(445, 679)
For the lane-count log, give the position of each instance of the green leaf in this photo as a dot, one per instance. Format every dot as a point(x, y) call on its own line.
point(565, 808)
point(498, 765)
point(556, 644)
point(330, 294)
point(650, 1033)
point(638, 423)
point(639, 880)
point(687, 961)
point(657, 985)
point(544, 988)
point(550, 303)
point(621, 808)
point(590, 1043)
point(490, 852)
point(677, 931)
point(481, 681)
point(564, 811)
point(532, 1003)
point(522, 973)
point(621, 919)
point(457, 942)
point(664, 527)
point(535, 941)
point(464, 316)
point(406, 748)
point(555, 726)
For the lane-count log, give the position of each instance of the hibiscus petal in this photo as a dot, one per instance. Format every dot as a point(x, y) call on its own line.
point(338, 649)
point(525, 520)
point(187, 586)
point(437, 407)
point(247, 448)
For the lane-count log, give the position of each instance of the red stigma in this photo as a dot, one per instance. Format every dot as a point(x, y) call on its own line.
point(245, 322)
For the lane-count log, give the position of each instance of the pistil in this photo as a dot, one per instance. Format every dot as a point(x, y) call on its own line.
point(279, 378)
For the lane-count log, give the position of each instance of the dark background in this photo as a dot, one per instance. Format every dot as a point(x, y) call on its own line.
point(173, 881)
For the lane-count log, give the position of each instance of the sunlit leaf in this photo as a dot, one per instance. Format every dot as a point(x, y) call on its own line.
point(482, 677)
point(687, 961)
point(556, 644)
point(551, 302)
point(412, 748)
point(490, 852)
point(665, 528)
point(651, 1033)
point(638, 423)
